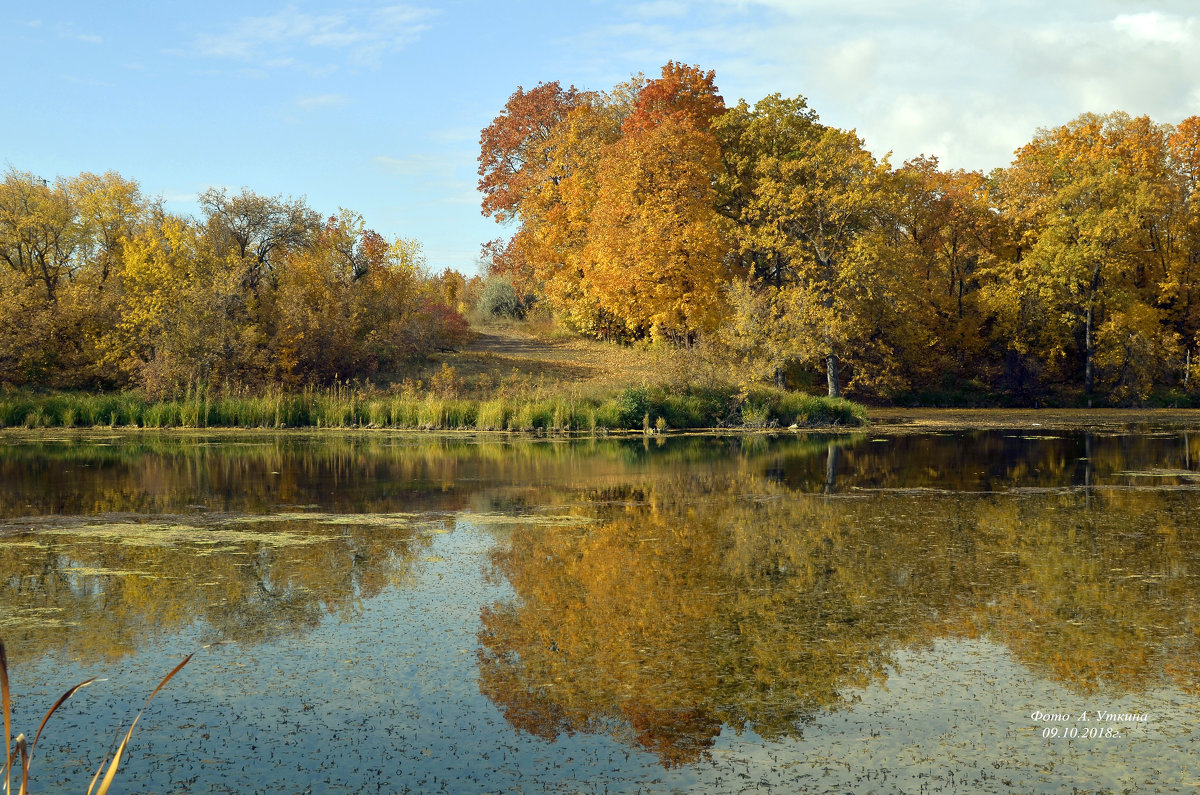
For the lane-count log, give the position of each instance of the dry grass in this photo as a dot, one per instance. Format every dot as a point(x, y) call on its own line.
point(20, 750)
point(552, 361)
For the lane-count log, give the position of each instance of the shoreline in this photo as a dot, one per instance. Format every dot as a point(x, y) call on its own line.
point(882, 421)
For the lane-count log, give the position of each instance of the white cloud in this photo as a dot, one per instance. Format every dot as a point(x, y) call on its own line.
point(969, 81)
point(1153, 27)
point(363, 36)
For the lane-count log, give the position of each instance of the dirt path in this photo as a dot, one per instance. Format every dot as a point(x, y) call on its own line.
point(513, 343)
point(501, 351)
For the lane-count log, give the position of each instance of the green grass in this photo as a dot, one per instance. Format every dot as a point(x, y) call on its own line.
point(538, 410)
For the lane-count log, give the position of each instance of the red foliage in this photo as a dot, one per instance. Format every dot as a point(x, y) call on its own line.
point(682, 92)
point(505, 170)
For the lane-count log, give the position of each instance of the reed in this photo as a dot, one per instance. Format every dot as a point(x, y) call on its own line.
point(537, 408)
point(20, 750)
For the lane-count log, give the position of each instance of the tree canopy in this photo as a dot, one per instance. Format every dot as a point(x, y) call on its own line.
point(655, 210)
point(100, 287)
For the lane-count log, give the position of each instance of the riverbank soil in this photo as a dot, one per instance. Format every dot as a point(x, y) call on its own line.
point(924, 420)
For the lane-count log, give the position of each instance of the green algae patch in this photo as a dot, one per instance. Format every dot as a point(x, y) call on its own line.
point(100, 571)
point(218, 538)
point(542, 520)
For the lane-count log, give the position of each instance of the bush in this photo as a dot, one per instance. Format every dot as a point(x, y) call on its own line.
point(500, 300)
point(632, 405)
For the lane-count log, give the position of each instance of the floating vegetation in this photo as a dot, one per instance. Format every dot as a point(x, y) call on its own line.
point(543, 520)
point(156, 534)
point(1160, 473)
point(100, 571)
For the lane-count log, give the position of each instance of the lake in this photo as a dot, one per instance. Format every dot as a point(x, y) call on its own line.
point(887, 611)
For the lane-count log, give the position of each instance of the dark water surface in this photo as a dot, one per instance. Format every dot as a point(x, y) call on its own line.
point(869, 613)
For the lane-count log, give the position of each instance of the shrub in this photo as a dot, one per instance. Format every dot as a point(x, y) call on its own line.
point(500, 300)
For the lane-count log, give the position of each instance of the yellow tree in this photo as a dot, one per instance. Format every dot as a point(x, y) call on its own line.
point(110, 209)
point(555, 212)
point(38, 231)
point(1180, 295)
point(178, 322)
point(517, 168)
point(948, 232)
point(1084, 198)
point(58, 243)
point(813, 213)
point(657, 252)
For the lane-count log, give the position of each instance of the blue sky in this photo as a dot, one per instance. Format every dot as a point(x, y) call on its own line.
point(377, 106)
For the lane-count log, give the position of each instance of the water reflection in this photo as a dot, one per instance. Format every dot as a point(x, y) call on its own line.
point(757, 596)
point(107, 541)
point(662, 591)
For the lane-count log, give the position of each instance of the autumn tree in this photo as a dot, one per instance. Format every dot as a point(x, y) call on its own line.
point(1180, 290)
point(657, 252)
point(515, 164)
point(59, 244)
point(180, 320)
point(808, 200)
point(547, 186)
point(38, 231)
point(110, 209)
point(350, 303)
point(1084, 197)
point(513, 156)
point(947, 233)
point(253, 230)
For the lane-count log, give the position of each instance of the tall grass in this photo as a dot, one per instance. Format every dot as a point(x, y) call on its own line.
point(538, 409)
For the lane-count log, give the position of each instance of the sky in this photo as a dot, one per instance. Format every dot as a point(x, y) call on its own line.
point(377, 106)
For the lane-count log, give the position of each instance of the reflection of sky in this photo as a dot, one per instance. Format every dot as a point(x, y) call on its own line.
point(390, 698)
point(955, 717)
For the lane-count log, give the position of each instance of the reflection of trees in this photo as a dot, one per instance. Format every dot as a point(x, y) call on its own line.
point(342, 472)
point(188, 546)
point(741, 583)
point(98, 594)
point(745, 598)
point(1107, 597)
point(691, 609)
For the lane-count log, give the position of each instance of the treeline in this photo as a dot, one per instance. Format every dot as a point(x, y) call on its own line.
point(654, 210)
point(100, 288)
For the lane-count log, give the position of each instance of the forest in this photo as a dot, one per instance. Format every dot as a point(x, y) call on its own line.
point(654, 211)
point(751, 239)
point(100, 288)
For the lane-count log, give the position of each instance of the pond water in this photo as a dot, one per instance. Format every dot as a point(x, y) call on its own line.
point(983, 611)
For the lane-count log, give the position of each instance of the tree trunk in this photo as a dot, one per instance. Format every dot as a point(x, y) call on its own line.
point(1088, 337)
point(831, 374)
point(1088, 376)
point(780, 378)
point(831, 467)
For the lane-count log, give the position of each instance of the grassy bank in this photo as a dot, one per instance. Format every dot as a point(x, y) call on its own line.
point(632, 408)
